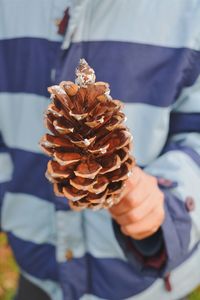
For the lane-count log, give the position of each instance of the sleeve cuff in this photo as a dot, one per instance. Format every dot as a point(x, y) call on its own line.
point(167, 248)
point(143, 255)
point(149, 246)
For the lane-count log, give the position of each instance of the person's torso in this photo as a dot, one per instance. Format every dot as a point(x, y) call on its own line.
point(146, 51)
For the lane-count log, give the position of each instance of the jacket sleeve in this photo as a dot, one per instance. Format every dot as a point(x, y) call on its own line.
point(6, 168)
point(178, 172)
point(179, 165)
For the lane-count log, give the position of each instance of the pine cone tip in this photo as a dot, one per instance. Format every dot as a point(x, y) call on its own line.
point(85, 75)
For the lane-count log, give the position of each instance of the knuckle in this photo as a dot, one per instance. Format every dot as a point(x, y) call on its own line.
point(135, 216)
point(131, 200)
point(130, 217)
point(135, 199)
point(124, 219)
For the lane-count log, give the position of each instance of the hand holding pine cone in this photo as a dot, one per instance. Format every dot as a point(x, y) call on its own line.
point(89, 144)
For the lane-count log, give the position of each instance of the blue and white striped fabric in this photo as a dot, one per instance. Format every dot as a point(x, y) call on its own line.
point(149, 52)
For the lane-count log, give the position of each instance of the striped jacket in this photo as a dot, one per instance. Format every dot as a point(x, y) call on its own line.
point(149, 52)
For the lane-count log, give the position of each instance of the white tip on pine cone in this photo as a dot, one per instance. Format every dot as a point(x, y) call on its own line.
point(57, 89)
point(101, 120)
point(85, 74)
point(78, 116)
point(47, 144)
point(86, 142)
point(103, 150)
point(107, 93)
point(54, 112)
point(61, 129)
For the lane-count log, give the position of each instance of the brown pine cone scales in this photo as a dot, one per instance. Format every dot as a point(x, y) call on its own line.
point(89, 143)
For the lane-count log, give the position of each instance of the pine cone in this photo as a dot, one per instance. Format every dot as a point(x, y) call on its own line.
point(89, 144)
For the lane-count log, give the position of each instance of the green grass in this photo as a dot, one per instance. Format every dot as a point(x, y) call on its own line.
point(9, 273)
point(195, 295)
